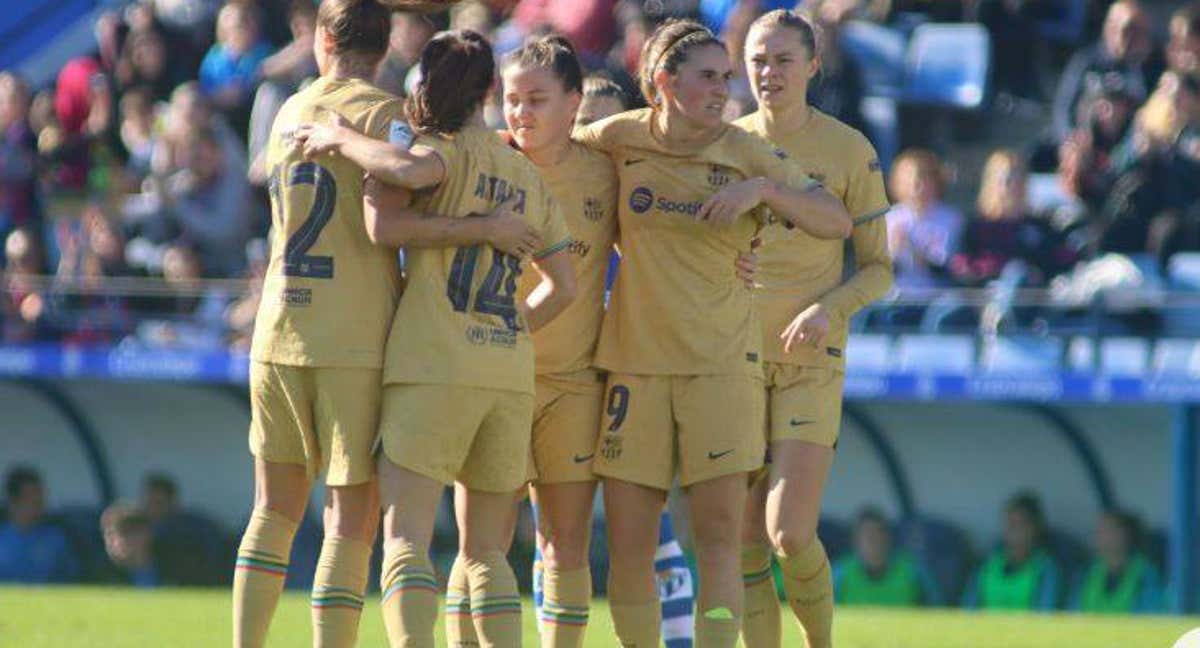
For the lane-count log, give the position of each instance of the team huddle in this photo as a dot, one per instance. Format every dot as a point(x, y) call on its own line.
point(489, 361)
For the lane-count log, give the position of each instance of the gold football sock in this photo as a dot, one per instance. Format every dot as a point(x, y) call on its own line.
point(262, 564)
point(761, 620)
point(567, 597)
point(338, 589)
point(495, 601)
point(409, 596)
point(717, 628)
point(808, 582)
point(460, 629)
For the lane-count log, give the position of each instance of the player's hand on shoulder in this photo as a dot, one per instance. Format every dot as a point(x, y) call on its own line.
point(319, 138)
point(735, 199)
point(509, 233)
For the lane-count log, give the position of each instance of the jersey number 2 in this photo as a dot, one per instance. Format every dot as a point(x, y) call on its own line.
point(296, 260)
point(495, 296)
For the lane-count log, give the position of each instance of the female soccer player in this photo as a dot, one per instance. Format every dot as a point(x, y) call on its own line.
point(459, 374)
point(804, 307)
point(680, 338)
point(315, 385)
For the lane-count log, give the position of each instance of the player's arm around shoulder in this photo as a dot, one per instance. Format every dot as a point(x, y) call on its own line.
point(402, 164)
point(558, 288)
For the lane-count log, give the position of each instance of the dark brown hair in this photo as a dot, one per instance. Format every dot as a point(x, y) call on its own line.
point(668, 48)
point(598, 85)
point(791, 20)
point(553, 52)
point(360, 27)
point(1189, 17)
point(457, 71)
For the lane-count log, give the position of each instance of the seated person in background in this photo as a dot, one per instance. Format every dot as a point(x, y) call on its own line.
point(32, 550)
point(160, 498)
point(232, 68)
point(128, 541)
point(877, 573)
point(1003, 233)
point(1120, 579)
point(923, 231)
point(1020, 574)
point(24, 311)
point(1125, 49)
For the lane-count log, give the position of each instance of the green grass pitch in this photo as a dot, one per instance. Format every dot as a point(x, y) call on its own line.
point(125, 618)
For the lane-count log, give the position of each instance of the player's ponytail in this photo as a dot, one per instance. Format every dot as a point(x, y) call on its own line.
point(552, 52)
point(668, 48)
point(457, 70)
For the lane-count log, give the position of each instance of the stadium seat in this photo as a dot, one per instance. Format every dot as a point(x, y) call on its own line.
point(1124, 356)
point(935, 353)
point(879, 53)
point(1081, 355)
point(1176, 356)
point(868, 353)
point(947, 65)
point(1021, 354)
point(1183, 273)
point(1044, 192)
point(942, 547)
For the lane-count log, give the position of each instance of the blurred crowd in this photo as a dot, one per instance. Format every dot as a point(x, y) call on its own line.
point(143, 160)
point(155, 541)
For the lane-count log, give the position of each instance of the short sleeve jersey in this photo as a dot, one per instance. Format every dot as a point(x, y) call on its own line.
point(797, 269)
point(458, 323)
point(323, 270)
point(678, 307)
point(585, 186)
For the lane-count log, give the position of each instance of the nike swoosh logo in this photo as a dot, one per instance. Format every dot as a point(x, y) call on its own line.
point(798, 423)
point(635, 161)
point(579, 459)
point(718, 455)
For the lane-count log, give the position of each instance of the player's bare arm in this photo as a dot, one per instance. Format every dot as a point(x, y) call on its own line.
point(392, 222)
point(416, 168)
point(810, 208)
point(554, 294)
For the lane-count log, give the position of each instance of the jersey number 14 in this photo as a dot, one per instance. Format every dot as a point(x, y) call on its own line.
point(495, 295)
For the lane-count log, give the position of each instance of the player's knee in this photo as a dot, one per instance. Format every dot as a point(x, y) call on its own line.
point(792, 542)
point(565, 548)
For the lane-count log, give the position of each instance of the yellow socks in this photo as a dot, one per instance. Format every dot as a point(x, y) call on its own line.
point(409, 596)
point(262, 564)
point(637, 624)
point(495, 601)
point(761, 621)
point(717, 628)
point(338, 589)
point(809, 585)
point(564, 616)
point(460, 629)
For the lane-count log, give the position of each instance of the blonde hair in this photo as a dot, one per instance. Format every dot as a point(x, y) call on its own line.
point(995, 196)
point(924, 163)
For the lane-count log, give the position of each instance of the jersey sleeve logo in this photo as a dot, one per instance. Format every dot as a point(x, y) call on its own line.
point(401, 134)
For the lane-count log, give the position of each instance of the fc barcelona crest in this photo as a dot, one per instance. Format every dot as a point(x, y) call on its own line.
point(718, 176)
point(593, 210)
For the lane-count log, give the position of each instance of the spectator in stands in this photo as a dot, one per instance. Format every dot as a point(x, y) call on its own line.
point(1020, 574)
point(204, 203)
point(160, 498)
point(282, 73)
point(410, 32)
point(144, 64)
point(877, 574)
point(32, 550)
point(1125, 49)
point(923, 231)
point(1183, 47)
point(90, 254)
point(194, 317)
point(1121, 579)
point(18, 158)
point(1003, 236)
point(839, 89)
point(138, 116)
point(24, 312)
point(1013, 27)
point(129, 544)
point(232, 68)
point(1156, 168)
